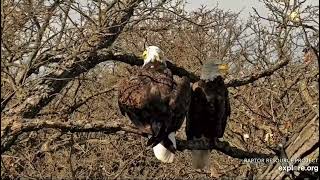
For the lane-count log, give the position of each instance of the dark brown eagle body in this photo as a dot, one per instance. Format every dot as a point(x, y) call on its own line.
point(154, 102)
point(208, 111)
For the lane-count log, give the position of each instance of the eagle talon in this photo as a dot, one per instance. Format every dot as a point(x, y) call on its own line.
point(151, 142)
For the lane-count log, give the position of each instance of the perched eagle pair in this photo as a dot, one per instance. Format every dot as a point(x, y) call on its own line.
point(157, 104)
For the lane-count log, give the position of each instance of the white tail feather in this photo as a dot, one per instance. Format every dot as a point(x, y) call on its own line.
point(162, 153)
point(200, 158)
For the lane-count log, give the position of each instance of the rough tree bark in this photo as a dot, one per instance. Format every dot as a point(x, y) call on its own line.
point(302, 146)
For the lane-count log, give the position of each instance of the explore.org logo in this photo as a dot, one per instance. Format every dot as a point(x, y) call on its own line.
point(298, 168)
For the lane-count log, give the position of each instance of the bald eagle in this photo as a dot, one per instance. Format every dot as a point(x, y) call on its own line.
point(155, 102)
point(209, 110)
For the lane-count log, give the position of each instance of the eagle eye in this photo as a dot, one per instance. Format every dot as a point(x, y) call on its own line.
point(144, 55)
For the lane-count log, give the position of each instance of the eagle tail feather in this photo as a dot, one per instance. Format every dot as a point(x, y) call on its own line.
point(200, 158)
point(164, 154)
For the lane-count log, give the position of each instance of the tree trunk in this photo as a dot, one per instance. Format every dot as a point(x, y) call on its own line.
point(302, 150)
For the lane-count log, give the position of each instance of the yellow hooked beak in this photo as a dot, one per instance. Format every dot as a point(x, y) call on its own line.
point(144, 55)
point(223, 68)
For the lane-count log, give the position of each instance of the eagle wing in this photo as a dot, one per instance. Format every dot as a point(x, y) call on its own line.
point(180, 101)
point(145, 99)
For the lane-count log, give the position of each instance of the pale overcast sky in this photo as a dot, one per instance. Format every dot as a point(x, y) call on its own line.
point(236, 5)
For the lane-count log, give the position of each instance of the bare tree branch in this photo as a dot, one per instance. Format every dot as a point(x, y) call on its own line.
point(48, 88)
point(16, 128)
point(254, 77)
point(180, 71)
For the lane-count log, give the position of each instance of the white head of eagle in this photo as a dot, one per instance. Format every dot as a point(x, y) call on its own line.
point(153, 54)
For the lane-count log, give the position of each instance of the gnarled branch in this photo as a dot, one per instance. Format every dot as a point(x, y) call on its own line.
point(15, 128)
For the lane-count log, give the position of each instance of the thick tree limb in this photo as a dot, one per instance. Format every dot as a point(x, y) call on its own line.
point(254, 77)
point(16, 128)
point(72, 66)
point(301, 150)
point(180, 71)
point(52, 84)
point(137, 61)
point(221, 146)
